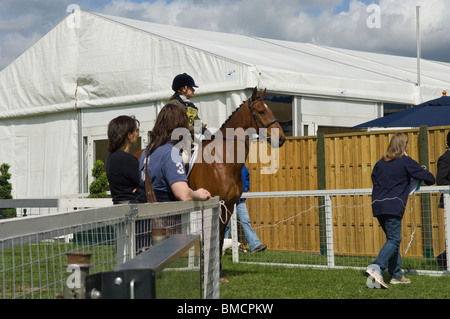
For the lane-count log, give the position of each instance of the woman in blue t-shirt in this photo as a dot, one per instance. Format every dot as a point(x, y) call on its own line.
point(165, 163)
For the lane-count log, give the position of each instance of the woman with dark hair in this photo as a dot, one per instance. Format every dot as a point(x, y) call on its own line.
point(166, 169)
point(122, 168)
point(392, 178)
point(165, 163)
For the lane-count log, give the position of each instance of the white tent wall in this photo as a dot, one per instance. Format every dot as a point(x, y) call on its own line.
point(313, 110)
point(43, 154)
point(94, 123)
point(338, 88)
point(214, 107)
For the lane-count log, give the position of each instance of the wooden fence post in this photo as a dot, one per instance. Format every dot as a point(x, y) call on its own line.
point(321, 185)
point(425, 202)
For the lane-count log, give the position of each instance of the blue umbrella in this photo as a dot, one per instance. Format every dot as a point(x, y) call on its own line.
point(431, 113)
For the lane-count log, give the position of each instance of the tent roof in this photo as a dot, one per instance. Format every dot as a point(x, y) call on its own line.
point(96, 60)
point(302, 58)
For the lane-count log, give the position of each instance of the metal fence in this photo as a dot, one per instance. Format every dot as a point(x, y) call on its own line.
point(33, 249)
point(336, 229)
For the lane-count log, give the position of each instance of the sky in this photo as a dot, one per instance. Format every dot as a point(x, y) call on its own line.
point(381, 26)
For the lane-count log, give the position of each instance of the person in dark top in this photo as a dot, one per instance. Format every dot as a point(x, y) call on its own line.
point(393, 179)
point(122, 168)
point(443, 169)
point(443, 178)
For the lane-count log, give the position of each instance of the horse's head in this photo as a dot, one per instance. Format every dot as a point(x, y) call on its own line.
point(264, 121)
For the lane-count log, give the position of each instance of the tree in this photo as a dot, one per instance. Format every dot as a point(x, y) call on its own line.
point(5, 191)
point(97, 187)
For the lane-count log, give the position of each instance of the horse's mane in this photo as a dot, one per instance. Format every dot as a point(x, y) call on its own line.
point(228, 119)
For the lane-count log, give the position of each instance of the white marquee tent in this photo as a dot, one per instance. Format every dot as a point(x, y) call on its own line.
point(57, 98)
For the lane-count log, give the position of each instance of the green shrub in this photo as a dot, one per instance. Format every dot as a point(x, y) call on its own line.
point(97, 187)
point(5, 191)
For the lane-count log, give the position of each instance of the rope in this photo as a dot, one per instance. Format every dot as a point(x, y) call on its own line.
point(354, 206)
point(414, 224)
point(222, 203)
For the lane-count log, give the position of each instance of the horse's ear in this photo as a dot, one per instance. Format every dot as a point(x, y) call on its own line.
point(255, 93)
point(263, 94)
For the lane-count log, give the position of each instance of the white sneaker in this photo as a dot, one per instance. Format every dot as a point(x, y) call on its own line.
point(375, 275)
point(401, 280)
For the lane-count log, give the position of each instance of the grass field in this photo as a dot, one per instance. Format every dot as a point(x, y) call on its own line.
point(41, 267)
point(252, 281)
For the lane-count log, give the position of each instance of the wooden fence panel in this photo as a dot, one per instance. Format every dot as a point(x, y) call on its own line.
point(349, 160)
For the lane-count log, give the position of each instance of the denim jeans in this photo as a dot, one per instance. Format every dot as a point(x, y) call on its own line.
point(242, 214)
point(390, 253)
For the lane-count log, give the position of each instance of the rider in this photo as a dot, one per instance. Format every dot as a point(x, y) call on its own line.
point(184, 87)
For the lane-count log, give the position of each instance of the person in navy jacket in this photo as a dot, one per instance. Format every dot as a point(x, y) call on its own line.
point(393, 179)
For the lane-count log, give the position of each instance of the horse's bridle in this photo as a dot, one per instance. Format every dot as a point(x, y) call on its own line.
point(258, 122)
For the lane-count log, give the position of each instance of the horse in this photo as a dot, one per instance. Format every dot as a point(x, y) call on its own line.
point(223, 177)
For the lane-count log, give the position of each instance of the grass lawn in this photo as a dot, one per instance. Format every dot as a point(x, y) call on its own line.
point(252, 281)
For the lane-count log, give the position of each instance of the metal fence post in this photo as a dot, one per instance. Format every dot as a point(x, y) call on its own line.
point(447, 226)
point(211, 253)
point(329, 231)
point(234, 236)
point(125, 236)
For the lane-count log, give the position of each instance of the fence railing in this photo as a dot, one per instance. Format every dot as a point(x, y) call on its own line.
point(45, 206)
point(33, 261)
point(336, 228)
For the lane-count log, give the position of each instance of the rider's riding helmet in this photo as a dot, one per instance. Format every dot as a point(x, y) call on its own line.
point(182, 80)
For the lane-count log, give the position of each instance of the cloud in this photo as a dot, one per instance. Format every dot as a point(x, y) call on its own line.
point(23, 22)
point(266, 18)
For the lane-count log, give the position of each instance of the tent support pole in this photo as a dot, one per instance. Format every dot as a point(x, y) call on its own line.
point(419, 45)
point(81, 187)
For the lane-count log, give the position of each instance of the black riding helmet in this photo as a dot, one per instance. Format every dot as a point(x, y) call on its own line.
point(182, 80)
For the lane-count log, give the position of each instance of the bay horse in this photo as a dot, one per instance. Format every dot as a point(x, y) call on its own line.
point(223, 178)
